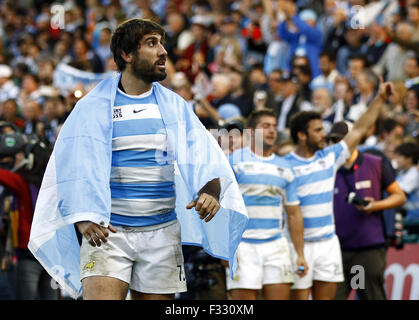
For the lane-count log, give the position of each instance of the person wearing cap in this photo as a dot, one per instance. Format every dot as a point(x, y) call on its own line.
point(315, 166)
point(360, 227)
point(300, 31)
point(8, 90)
point(291, 99)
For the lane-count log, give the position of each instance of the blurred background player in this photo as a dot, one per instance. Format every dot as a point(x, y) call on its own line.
point(267, 185)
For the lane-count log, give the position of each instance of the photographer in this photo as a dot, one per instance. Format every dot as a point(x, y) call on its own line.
point(358, 204)
point(23, 161)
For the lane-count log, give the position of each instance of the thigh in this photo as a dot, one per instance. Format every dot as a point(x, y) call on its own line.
point(302, 285)
point(300, 294)
point(244, 294)
point(159, 265)
point(249, 272)
point(104, 288)
point(113, 259)
point(277, 265)
point(135, 295)
point(324, 290)
point(280, 291)
point(328, 265)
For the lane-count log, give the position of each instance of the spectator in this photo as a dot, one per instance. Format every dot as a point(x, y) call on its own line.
point(329, 73)
point(367, 83)
point(233, 45)
point(274, 89)
point(179, 37)
point(356, 64)
point(411, 70)
point(84, 58)
point(102, 49)
point(323, 104)
point(411, 106)
point(61, 52)
point(413, 18)
point(353, 46)
point(359, 226)
point(304, 77)
point(291, 100)
point(344, 96)
point(240, 97)
point(8, 90)
point(407, 157)
point(376, 44)
point(11, 114)
point(32, 112)
point(30, 89)
point(195, 55)
point(395, 55)
point(221, 97)
point(301, 34)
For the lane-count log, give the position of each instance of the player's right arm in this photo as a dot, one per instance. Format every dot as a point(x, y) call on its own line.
point(369, 117)
point(296, 228)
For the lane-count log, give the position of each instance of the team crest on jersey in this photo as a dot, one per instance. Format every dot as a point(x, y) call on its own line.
point(322, 163)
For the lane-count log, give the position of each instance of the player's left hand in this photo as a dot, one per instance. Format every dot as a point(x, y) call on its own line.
point(206, 205)
point(302, 263)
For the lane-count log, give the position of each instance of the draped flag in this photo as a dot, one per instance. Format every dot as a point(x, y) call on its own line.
point(76, 183)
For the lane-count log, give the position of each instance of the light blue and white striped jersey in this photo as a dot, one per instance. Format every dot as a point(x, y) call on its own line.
point(266, 183)
point(142, 176)
point(315, 178)
point(409, 182)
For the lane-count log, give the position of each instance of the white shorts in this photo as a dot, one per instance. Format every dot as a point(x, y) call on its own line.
point(324, 260)
point(149, 261)
point(260, 264)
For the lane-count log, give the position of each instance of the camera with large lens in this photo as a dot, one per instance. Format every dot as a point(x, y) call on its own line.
point(36, 155)
point(353, 199)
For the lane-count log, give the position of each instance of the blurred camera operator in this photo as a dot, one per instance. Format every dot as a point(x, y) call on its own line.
point(358, 205)
point(17, 168)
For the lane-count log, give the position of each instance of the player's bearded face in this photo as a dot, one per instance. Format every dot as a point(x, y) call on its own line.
point(316, 138)
point(147, 70)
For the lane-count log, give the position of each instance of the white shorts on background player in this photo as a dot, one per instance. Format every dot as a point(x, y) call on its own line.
point(324, 260)
point(150, 261)
point(261, 264)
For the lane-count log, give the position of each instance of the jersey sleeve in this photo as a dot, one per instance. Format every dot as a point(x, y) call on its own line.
point(341, 152)
point(291, 191)
point(409, 181)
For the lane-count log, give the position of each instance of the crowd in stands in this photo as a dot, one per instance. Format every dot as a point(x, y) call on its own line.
point(227, 58)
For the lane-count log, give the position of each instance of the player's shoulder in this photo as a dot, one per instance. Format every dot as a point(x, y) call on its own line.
point(239, 155)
